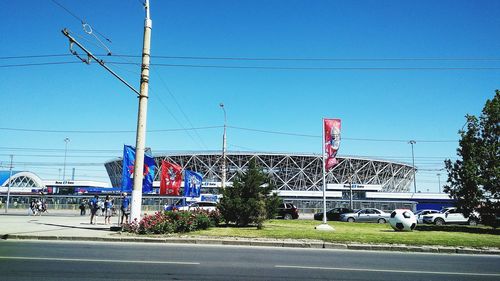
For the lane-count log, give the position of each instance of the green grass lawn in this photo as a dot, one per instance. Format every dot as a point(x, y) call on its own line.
point(466, 236)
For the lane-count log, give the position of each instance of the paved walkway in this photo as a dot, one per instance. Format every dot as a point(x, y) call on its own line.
point(54, 224)
point(69, 225)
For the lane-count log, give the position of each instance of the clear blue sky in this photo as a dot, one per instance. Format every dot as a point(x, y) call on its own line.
point(374, 102)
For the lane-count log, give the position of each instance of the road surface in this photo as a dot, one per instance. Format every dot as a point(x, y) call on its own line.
point(61, 260)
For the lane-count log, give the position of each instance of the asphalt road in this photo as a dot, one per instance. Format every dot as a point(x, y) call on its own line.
point(44, 260)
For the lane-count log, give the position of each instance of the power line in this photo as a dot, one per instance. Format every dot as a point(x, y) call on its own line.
point(92, 29)
point(216, 127)
point(38, 64)
point(180, 108)
point(344, 138)
point(35, 56)
point(106, 131)
point(432, 59)
point(326, 59)
point(325, 68)
point(473, 68)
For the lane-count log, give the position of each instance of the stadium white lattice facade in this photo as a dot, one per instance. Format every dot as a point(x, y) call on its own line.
point(297, 174)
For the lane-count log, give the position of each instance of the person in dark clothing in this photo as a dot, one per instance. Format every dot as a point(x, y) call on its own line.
point(125, 207)
point(93, 208)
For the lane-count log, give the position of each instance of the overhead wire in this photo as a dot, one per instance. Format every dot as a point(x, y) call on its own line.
point(283, 68)
point(482, 59)
point(107, 131)
point(179, 107)
point(83, 22)
point(233, 127)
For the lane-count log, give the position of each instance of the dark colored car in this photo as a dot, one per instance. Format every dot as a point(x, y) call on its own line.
point(333, 214)
point(288, 211)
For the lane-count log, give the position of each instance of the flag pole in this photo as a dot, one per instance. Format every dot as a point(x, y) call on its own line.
point(324, 168)
point(324, 225)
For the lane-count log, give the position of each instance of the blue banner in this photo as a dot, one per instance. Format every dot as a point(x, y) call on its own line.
point(192, 183)
point(128, 170)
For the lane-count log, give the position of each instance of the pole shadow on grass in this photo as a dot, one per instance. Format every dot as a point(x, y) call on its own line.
point(458, 228)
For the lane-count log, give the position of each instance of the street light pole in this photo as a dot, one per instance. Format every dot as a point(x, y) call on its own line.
point(223, 184)
point(66, 140)
point(439, 182)
point(10, 184)
point(136, 206)
point(412, 142)
point(350, 193)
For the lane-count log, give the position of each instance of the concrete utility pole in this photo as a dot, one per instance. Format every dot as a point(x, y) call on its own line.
point(412, 142)
point(140, 144)
point(223, 184)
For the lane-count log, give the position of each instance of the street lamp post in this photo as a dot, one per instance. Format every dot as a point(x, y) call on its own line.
point(412, 142)
point(350, 193)
point(223, 184)
point(10, 184)
point(439, 182)
point(66, 140)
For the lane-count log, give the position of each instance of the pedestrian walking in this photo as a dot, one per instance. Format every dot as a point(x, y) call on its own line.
point(82, 208)
point(125, 207)
point(108, 212)
point(93, 208)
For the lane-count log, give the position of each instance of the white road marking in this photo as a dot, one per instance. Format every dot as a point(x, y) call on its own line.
point(98, 260)
point(387, 270)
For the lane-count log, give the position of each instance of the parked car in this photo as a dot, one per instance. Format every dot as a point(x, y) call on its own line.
point(208, 206)
point(420, 214)
point(288, 211)
point(333, 214)
point(450, 215)
point(366, 215)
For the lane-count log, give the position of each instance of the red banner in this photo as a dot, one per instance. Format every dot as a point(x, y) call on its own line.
point(331, 129)
point(171, 178)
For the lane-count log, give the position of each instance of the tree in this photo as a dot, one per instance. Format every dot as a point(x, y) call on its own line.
point(473, 179)
point(249, 200)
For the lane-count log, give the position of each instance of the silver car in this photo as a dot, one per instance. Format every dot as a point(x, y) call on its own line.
point(366, 215)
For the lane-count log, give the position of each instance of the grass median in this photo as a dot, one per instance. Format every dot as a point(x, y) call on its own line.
point(449, 235)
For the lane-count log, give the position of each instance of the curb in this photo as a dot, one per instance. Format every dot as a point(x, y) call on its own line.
point(267, 243)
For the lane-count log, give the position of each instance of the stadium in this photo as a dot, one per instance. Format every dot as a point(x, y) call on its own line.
point(298, 178)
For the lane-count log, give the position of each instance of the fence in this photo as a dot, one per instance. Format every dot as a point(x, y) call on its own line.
point(152, 203)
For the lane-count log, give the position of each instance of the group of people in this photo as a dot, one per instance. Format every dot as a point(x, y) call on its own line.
point(37, 207)
point(107, 208)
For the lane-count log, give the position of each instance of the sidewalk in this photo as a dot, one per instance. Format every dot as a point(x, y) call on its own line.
point(68, 225)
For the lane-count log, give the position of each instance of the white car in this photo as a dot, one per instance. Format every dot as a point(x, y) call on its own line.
point(450, 215)
point(420, 214)
point(208, 206)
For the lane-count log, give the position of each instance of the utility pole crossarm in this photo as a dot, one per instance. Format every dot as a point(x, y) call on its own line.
point(72, 41)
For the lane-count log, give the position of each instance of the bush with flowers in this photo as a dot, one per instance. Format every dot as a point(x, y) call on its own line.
point(173, 222)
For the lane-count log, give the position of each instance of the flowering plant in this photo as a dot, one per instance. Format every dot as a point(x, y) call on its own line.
point(173, 222)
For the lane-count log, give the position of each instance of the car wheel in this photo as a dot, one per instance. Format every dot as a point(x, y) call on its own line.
point(472, 222)
point(350, 220)
point(287, 217)
point(439, 221)
point(381, 221)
